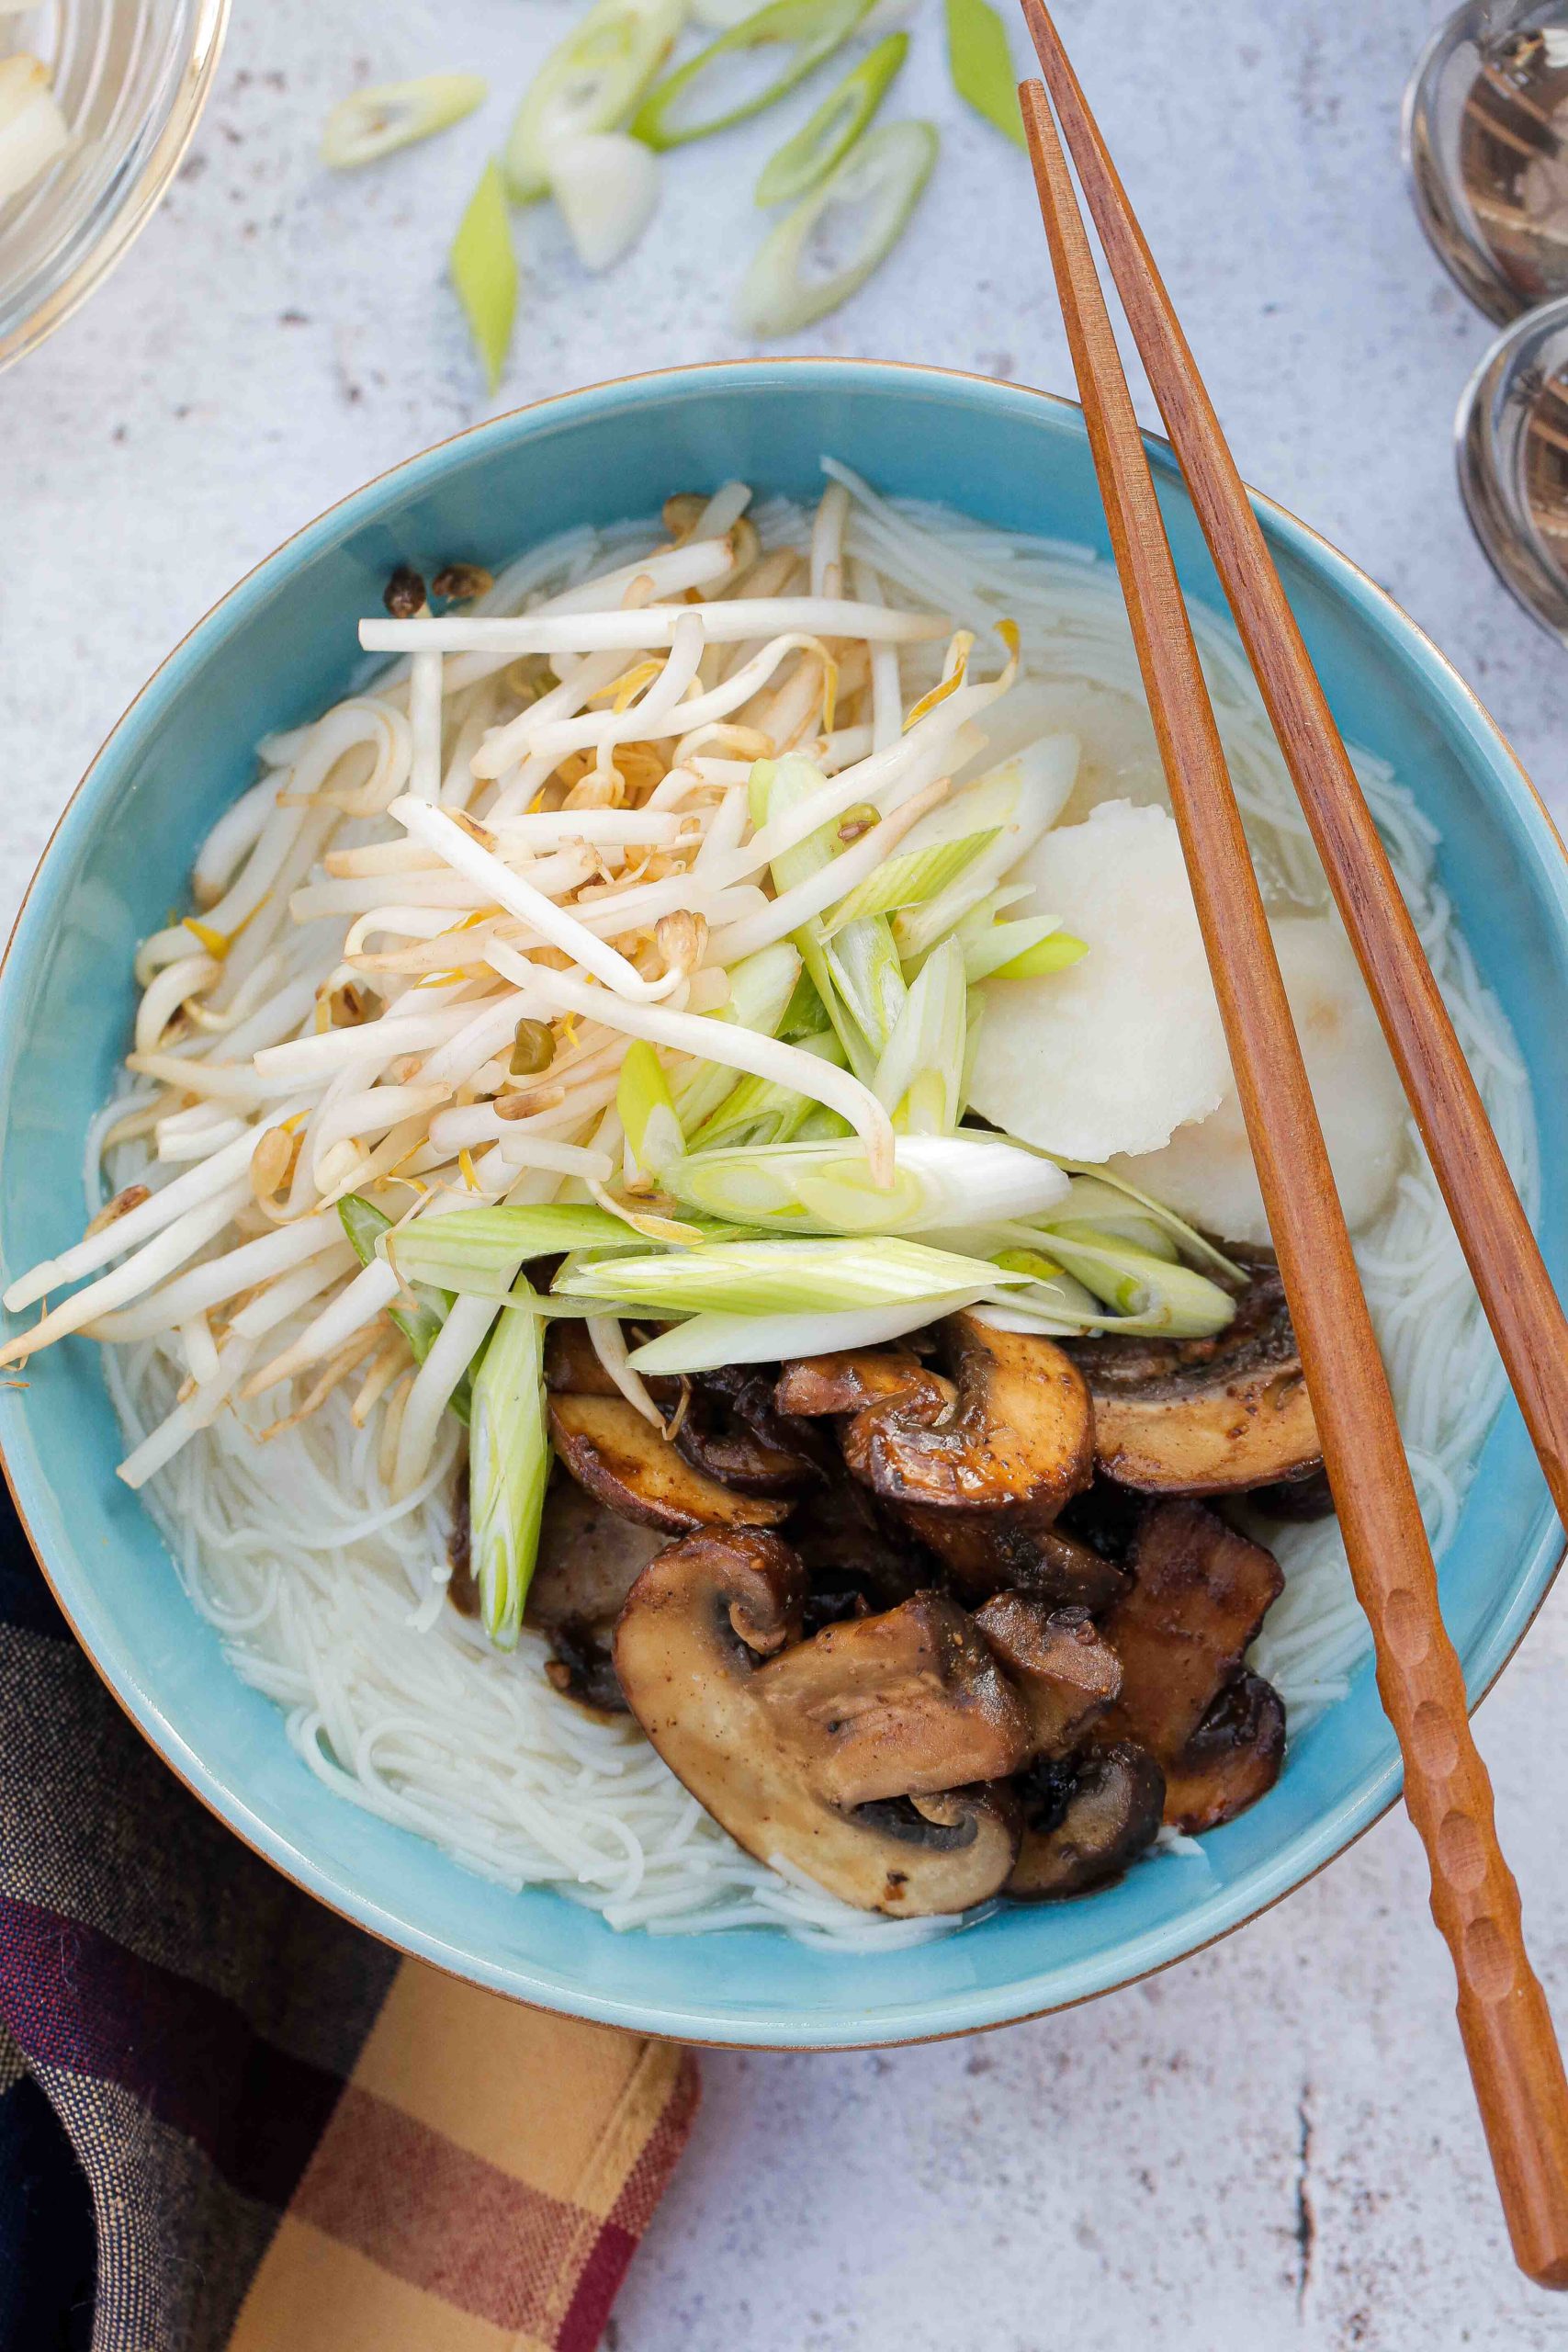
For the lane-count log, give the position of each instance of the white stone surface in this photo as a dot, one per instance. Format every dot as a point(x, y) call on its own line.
point(1274, 2144)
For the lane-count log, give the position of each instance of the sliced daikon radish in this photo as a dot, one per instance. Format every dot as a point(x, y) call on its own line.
point(1117, 1051)
point(607, 187)
point(1205, 1172)
point(32, 128)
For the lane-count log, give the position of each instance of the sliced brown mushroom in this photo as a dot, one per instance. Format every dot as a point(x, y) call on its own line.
point(1197, 1417)
point(589, 1560)
point(1199, 1593)
point(1307, 1497)
point(909, 1704)
point(978, 1465)
point(571, 1361)
point(999, 1551)
point(1231, 1760)
point(689, 1648)
point(629, 1466)
point(860, 1555)
point(1064, 1671)
point(1086, 1820)
point(726, 1422)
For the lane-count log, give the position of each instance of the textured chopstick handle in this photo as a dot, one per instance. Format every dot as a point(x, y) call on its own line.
point(1513, 2053)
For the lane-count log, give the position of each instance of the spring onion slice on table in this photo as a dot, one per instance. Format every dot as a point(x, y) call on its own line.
point(877, 184)
point(616, 956)
point(484, 271)
point(591, 82)
point(811, 30)
point(376, 122)
point(981, 65)
point(825, 137)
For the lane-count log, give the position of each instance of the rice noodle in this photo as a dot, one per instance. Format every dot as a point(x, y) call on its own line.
point(321, 1555)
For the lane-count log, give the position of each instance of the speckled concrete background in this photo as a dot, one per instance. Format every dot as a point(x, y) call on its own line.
point(1275, 2144)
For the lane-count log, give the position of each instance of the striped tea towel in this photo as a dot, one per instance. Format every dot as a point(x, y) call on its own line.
point(231, 2122)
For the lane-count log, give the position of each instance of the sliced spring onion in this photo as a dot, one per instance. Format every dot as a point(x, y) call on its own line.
point(910, 878)
point(758, 1110)
point(647, 1110)
point(591, 80)
point(1021, 799)
point(1090, 1203)
point(484, 271)
point(375, 122)
point(509, 1466)
point(981, 65)
point(706, 1341)
point(879, 183)
point(473, 1248)
point(420, 1325)
point(813, 30)
point(778, 790)
point(1187, 1237)
point(1035, 961)
point(1161, 1296)
point(864, 964)
point(952, 1181)
point(32, 128)
point(781, 1277)
point(920, 1075)
point(607, 187)
point(763, 991)
point(828, 135)
point(1009, 949)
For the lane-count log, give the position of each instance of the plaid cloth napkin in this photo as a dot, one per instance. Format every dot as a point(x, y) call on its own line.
point(231, 2122)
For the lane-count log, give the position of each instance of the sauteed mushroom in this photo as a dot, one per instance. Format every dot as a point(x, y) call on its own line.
point(1199, 1595)
point(761, 1748)
point(731, 1429)
point(1231, 1760)
point(1065, 1673)
point(979, 1465)
point(589, 1560)
point(1084, 1821)
point(909, 1704)
point(628, 1465)
point(1206, 1416)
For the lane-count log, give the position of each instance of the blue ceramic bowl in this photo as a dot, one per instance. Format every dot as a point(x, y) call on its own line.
point(274, 652)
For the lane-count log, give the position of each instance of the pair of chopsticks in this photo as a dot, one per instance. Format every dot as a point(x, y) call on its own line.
point(1507, 2031)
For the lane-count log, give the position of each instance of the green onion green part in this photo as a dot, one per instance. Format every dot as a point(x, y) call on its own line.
point(647, 1110)
point(981, 65)
point(828, 135)
point(781, 1277)
point(484, 271)
point(878, 184)
point(812, 29)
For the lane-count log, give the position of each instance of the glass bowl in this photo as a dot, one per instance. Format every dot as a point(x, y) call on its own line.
point(131, 77)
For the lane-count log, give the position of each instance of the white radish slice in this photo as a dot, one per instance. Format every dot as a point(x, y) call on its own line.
point(32, 128)
point(1205, 1172)
point(607, 187)
point(1117, 1051)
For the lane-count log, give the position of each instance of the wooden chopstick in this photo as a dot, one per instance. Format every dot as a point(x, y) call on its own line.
point(1526, 1318)
point(1503, 2015)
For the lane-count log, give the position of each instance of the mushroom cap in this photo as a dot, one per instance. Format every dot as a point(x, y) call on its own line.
point(1210, 1416)
point(1199, 1595)
point(1010, 1431)
point(1085, 1822)
point(731, 1429)
point(1064, 1671)
point(688, 1649)
point(997, 1551)
point(909, 1704)
point(589, 1558)
point(1232, 1759)
point(633, 1468)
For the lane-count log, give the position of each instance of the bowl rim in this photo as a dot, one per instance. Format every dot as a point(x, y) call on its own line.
point(130, 216)
point(994, 2006)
